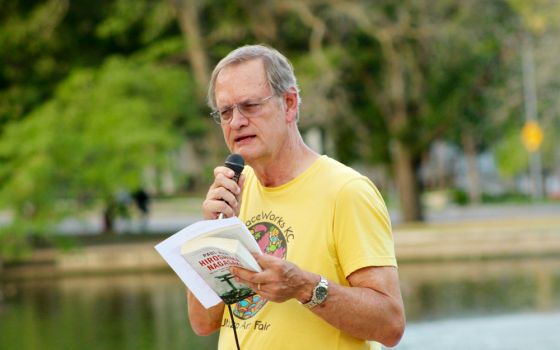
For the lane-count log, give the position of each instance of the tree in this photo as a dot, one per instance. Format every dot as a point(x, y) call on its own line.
point(537, 41)
point(414, 70)
point(481, 97)
point(396, 71)
point(97, 135)
point(28, 52)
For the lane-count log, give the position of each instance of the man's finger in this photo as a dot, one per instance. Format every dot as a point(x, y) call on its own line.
point(265, 260)
point(223, 170)
point(222, 180)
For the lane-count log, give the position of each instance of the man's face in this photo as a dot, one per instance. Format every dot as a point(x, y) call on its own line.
point(261, 135)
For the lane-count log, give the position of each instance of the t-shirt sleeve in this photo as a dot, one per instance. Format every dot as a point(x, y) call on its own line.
point(362, 227)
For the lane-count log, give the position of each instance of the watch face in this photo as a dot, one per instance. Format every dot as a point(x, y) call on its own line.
point(321, 293)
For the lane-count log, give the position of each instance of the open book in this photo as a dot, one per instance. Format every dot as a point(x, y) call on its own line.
point(202, 253)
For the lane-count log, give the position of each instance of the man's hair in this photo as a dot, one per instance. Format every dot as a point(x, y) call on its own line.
point(279, 71)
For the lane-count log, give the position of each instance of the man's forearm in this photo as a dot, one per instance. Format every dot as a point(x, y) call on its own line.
point(363, 313)
point(204, 321)
point(371, 308)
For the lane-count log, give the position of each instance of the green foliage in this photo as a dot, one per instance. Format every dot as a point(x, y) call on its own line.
point(93, 93)
point(98, 134)
point(42, 42)
point(459, 197)
point(537, 15)
point(150, 18)
point(27, 40)
point(508, 197)
point(511, 156)
point(362, 134)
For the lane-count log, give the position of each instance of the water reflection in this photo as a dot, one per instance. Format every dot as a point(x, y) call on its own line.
point(148, 311)
point(470, 288)
point(118, 312)
point(523, 331)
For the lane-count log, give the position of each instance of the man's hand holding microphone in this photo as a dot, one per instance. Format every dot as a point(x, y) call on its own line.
point(224, 196)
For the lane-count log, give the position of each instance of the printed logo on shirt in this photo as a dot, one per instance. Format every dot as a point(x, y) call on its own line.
point(272, 241)
point(270, 218)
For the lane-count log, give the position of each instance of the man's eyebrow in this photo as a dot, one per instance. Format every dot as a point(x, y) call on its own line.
point(245, 101)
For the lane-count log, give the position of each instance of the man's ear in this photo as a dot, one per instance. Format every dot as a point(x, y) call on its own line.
point(291, 104)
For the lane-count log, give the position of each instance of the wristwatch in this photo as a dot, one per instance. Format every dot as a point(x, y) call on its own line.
point(320, 293)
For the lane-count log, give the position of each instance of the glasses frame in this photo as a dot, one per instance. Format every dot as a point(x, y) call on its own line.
point(217, 115)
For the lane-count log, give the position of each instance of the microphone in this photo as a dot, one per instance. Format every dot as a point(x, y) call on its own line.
point(236, 163)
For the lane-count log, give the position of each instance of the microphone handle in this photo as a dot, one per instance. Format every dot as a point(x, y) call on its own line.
point(236, 176)
point(236, 179)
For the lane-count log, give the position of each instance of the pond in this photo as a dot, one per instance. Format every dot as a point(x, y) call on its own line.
point(491, 305)
point(496, 304)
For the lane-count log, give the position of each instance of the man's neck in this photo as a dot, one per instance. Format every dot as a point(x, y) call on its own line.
point(292, 160)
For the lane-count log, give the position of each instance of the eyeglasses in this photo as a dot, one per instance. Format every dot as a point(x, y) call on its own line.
point(248, 109)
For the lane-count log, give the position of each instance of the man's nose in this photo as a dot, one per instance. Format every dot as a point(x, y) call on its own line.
point(237, 118)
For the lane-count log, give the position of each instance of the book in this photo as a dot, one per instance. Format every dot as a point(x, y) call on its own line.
point(211, 257)
point(202, 253)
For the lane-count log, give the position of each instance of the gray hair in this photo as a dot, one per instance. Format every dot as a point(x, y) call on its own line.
point(279, 71)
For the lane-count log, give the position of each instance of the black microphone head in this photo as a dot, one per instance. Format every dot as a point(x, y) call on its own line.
point(236, 163)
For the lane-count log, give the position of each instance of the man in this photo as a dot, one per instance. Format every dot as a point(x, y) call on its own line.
point(329, 278)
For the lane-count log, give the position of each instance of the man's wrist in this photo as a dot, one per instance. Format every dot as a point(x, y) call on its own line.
point(306, 292)
point(319, 294)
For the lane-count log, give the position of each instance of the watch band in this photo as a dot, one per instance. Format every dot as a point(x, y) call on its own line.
point(320, 293)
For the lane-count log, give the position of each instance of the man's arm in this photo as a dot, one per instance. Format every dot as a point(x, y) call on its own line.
point(224, 196)
point(204, 321)
point(371, 308)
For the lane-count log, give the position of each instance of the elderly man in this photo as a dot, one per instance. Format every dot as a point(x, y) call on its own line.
point(329, 278)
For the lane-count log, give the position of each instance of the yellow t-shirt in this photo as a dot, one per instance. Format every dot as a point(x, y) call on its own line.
point(330, 220)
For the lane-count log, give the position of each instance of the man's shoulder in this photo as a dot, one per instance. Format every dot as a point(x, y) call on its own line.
point(340, 177)
point(337, 170)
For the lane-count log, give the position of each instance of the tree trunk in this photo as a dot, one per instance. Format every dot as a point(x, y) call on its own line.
point(473, 174)
point(187, 15)
point(407, 183)
point(109, 216)
point(187, 12)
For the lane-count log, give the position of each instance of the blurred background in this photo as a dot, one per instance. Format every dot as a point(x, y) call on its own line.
point(451, 107)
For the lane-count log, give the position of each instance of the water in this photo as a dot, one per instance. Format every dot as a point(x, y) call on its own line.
point(491, 305)
point(111, 312)
point(502, 304)
point(504, 332)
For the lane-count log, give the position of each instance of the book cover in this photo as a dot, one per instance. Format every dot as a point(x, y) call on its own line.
point(212, 257)
point(170, 250)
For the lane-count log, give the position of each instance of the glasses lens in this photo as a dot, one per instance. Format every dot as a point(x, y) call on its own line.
point(250, 109)
point(247, 109)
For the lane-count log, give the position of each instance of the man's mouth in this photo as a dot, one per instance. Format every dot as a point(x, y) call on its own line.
point(244, 138)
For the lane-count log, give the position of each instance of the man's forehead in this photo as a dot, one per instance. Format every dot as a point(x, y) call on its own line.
point(241, 79)
point(253, 68)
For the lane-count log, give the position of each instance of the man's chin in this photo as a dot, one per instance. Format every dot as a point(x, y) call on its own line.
point(246, 153)
point(242, 149)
